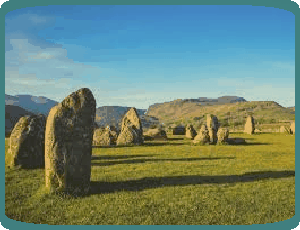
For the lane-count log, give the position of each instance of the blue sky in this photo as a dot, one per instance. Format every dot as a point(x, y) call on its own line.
point(139, 55)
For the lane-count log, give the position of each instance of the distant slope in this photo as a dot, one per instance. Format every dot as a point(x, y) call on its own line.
point(231, 114)
point(31, 103)
point(204, 101)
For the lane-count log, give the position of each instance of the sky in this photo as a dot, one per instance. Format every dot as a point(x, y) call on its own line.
point(136, 56)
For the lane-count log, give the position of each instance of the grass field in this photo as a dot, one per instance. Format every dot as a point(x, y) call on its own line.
point(169, 183)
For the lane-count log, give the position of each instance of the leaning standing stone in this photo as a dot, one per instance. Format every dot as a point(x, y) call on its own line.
point(68, 147)
point(249, 126)
point(27, 143)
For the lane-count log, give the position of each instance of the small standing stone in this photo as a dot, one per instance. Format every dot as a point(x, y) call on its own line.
point(155, 134)
point(202, 137)
point(223, 134)
point(249, 126)
point(27, 142)
point(293, 128)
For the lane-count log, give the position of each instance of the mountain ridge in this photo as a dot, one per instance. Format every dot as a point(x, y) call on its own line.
point(184, 111)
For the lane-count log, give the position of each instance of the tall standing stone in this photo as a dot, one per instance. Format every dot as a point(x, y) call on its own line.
point(249, 126)
point(292, 128)
point(27, 142)
point(132, 132)
point(68, 147)
point(213, 126)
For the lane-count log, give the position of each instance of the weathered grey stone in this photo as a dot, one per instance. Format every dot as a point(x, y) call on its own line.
point(155, 134)
point(132, 132)
point(104, 137)
point(223, 134)
point(101, 137)
point(190, 132)
point(202, 136)
point(212, 122)
point(27, 142)
point(249, 126)
point(68, 147)
point(213, 135)
point(213, 126)
point(292, 128)
point(179, 130)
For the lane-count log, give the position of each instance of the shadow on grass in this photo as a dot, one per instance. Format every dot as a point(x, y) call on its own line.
point(242, 141)
point(140, 161)
point(112, 157)
point(145, 144)
point(157, 182)
point(161, 143)
point(175, 138)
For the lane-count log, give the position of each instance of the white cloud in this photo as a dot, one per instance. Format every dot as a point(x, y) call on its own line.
point(48, 72)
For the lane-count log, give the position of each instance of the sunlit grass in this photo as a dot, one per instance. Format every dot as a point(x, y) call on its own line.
point(169, 182)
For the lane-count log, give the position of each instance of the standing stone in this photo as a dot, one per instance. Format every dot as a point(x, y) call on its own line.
point(27, 142)
point(113, 134)
point(223, 134)
point(131, 132)
point(68, 147)
point(104, 137)
point(179, 130)
point(190, 132)
point(292, 128)
point(155, 134)
point(101, 137)
point(249, 126)
point(202, 137)
point(213, 126)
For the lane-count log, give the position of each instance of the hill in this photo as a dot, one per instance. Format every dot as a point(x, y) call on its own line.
point(232, 114)
point(31, 103)
point(12, 116)
point(204, 101)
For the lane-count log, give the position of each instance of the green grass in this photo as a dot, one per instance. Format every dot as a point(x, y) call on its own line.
point(169, 183)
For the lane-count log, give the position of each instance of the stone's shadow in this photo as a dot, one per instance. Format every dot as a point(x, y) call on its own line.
point(140, 161)
point(144, 144)
point(175, 138)
point(247, 138)
point(160, 143)
point(242, 141)
point(112, 157)
point(99, 187)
